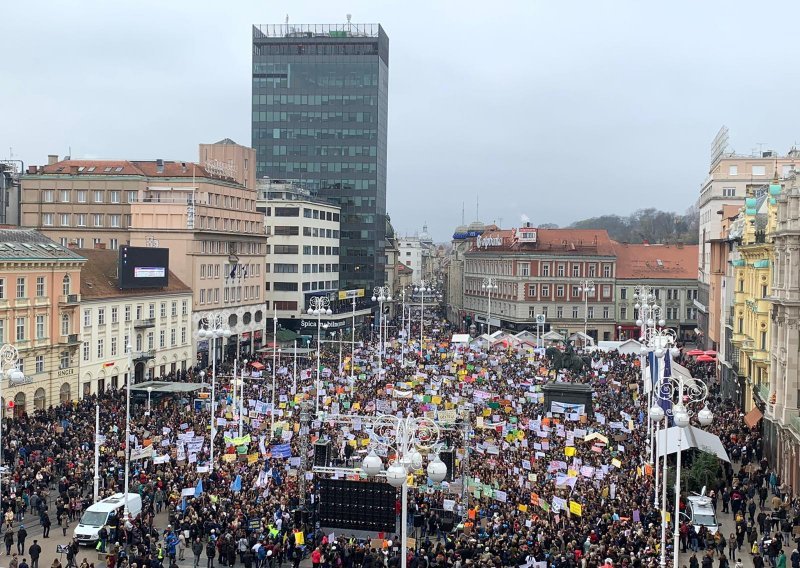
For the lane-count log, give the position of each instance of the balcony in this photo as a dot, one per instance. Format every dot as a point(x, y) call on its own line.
point(763, 392)
point(71, 339)
point(144, 323)
point(69, 300)
point(144, 355)
point(794, 424)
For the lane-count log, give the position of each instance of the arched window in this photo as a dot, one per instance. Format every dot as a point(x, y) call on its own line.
point(65, 394)
point(19, 404)
point(39, 399)
point(65, 282)
point(65, 328)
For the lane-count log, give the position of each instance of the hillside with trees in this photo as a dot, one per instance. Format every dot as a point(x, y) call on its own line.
point(647, 225)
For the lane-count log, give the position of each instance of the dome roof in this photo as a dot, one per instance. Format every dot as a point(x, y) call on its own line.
point(476, 226)
point(461, 229)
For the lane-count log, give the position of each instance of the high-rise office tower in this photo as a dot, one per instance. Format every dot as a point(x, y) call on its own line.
point(319, 117)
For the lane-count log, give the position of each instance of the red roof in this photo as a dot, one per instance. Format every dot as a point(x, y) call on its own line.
point(149, 168)
point(657, 261)
point(402, 268)
point(551, 241)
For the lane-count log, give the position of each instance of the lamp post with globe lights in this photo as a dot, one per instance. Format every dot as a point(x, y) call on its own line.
point(212, 327)
point(422, 289)
point(9, 369)
point(381, 294)
point(318, 306)
point(489, 284)
point(586, 288)
point(406, 438)
point(649, 321)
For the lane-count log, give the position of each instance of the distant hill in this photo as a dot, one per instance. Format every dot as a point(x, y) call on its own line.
point(647, 225)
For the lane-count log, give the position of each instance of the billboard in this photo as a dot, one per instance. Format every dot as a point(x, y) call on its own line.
point(143, 267)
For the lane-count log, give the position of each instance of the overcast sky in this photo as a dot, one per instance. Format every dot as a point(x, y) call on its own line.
point(558, 110)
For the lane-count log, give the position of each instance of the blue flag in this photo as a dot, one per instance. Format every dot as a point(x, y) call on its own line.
point(282, 451)
point(198, 490)
point(664, 396)
point(276, 475)
point(236, 486)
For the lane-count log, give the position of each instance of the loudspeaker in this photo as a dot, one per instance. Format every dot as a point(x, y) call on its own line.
point(418, 521)
point(357, 505)
point(448, 456)
point(322, 453)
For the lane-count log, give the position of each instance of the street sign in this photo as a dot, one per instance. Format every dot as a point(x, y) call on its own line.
point(350, 294)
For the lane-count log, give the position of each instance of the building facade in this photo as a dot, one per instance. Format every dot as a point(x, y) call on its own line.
point(782, 412)
point(731, 178)
point(418, 252)
point(542, 272)
point(157, 323)
point(671, 273)
point(319, 114)
point(208, 221)
point(40, 283)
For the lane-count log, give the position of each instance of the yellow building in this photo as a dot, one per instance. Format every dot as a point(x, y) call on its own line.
point(751, 307)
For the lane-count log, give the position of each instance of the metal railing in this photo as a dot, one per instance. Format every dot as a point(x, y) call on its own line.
point(317, 30)
point(147, 322)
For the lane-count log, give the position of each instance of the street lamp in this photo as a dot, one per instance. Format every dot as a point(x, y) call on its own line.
point(317, 306)
point(586, 288)
point(648, 313)
point(407, 438)
point(489, 284)
point(212, 327)
point(149, 392)
point(381, 294)
point(681, 398)
point(241, 397)
point(9, 368)
point(422, 289)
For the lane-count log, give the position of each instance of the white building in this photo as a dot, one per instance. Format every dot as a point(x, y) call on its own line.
point(156, 322)
point(416, 252)
point(303, 250)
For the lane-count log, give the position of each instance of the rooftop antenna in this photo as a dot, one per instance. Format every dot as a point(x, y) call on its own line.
point(462, 213)
point(477, 208)
point(287, 19)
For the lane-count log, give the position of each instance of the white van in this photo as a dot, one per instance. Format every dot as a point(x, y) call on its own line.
point(102, 512)
point(701, 512)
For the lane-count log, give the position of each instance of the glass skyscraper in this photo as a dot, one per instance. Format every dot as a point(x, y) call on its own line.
point(319, 117)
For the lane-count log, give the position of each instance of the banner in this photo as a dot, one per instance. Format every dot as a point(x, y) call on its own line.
point(282, 451)
point(142, 453)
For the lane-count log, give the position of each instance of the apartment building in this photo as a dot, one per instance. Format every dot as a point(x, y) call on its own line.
point(671, 273)
point(199, 211)
point(156, 322)
point(542, 272)
point(40, 283)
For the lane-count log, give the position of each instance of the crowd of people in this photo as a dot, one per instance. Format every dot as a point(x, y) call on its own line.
point(552, 487)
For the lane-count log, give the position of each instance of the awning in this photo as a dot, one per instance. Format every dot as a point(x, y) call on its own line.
point(257, 366)
point(690, 437)
point(752, 417)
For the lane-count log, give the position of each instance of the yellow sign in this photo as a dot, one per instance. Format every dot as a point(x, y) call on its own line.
point(350, 294)
point(575, 508)
point(299, 538)
point(569, 451)
point(616, 463)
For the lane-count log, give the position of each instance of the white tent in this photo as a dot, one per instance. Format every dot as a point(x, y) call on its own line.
point(628, 347)
point(582, 337)
point(552, 336)
point(527, 337)
point(460, 338)
point(690, 437)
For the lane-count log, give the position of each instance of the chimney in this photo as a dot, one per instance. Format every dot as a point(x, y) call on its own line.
point(52, 159)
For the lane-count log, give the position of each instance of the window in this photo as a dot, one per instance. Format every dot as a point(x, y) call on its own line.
point(545, 269)
point(65, 327)
point(606, 312)
point(184, 307)
point(151, 311)
point(162, 338)
point(560, 291)
point(531, 289)
point(183, 335)
point(574, 312)
point(86, 353)
point(287, 211)
point(47, 219)
point(113, 244)
point(114, 314)
point(764, 292)
point(2, 288)
point(759, 170)
point(590, 312)
point(575, 292)
point(80, 219)
point(63, 196)
point(150, 340)
point(113, 346)
point(163, 309)
point(20, 329)
point(98, 196)
point(172, 336)
point(81, 193)
point(131, 196)
point(576, 270)
point(733, 170)
point(97, 219)
point(592, 270)
point(728, 192)
point(64, 360)
point(20, 287)
point(606, 290)
point(623, 313)
point(65, 285)
point(174, 309)
point(101, 348)
point(40, 326)
point(623, 293)
point(114, 196)
point(63, 219)
point(560, 271)
point(101, 316)
point(87, 317)
point(114, 220)
point(545, 290)
point(523, 269)
point(763, 340)
point(559, 312)
point(691, 294)
point(40, 286)
point(47, 195)
point(39, 363)
point(128, 312)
